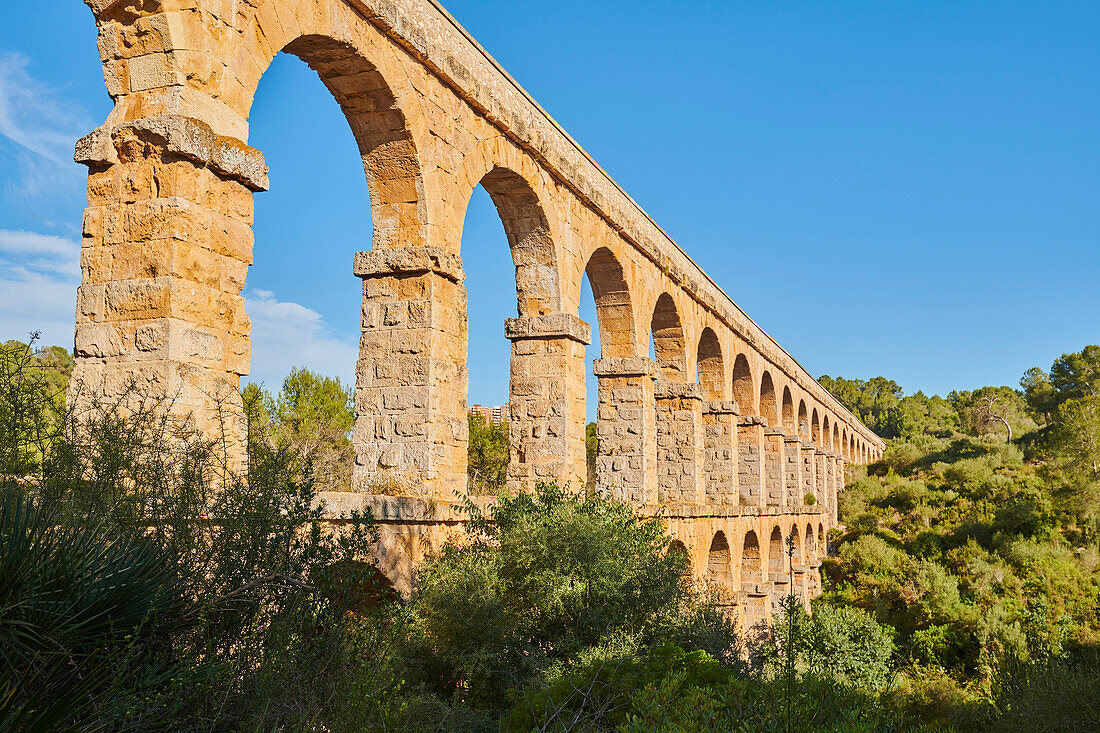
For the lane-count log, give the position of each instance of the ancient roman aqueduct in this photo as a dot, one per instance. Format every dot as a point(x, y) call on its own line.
point(723, 432)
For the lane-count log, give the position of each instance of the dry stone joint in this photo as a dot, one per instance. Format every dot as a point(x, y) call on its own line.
point(722, 432)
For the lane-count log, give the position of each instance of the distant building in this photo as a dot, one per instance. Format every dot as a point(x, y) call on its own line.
point(494, 415)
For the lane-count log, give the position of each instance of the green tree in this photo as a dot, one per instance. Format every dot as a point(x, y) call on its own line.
point(591, 452)
point(32, 403)
point(1039, 393)
point(919, 414)
point(873, 400)
point(1075, 451)
point(547, 581)
point(1078, 374)
point(487, 455)
point(992, 411)
point(314, 414)
point(839, 642)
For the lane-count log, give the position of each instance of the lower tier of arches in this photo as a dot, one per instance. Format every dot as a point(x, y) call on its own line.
point(752, 557)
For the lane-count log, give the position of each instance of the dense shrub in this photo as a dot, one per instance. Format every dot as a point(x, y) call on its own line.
point(1053, 694)
point(548, 581)
point(144, 584)
point(841, 643)
point(668, 689)
point(200, 598)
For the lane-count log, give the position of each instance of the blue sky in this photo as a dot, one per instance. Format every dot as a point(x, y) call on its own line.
point(905, 189)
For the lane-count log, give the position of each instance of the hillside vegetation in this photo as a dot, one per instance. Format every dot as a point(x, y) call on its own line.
point(144, 586)
point(979, 553)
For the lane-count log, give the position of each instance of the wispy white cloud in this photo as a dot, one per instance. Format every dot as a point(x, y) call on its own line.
point(287, 335)
point(38, 278)
point(35, 244)
point(39, 274)
point(41, 127)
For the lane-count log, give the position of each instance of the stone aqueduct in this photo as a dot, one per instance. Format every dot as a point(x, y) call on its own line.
point(723, 431)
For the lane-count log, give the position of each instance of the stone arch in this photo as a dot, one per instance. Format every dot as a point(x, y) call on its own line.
point(803, 421)
point(815, 428)
point(364, 81)
point(529, 240)
point(744, 389)
point(852, 449)
point(377, 119)
point(751, 568)
point(826, 436)
point(668, 339)
point(799, 557)
point(710, 369)
point(719, 561)
point(776, 553)
point(836, 446)
point(768, 408)
point(788, 410)
point(614, 311)
point(811, 546)
point(676, 547)
point(821, 538)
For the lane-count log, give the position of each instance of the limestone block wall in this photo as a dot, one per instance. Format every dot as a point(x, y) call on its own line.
point(720, 453)
point(792, 470)
point(750, 461)
point(775, 492)
point(546, 399)
point(809, 473)
point(626, 427)
point(679, 423)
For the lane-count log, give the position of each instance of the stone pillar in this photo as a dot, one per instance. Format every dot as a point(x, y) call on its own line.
point(813, 578)
point(792, 470)
point(720, 453)
point(679, 423)
point(166, 244)
point(836, 486)
point(800, 584)
point(410, 429)
point(809, 472)
point(821, 490)
point(546, 400)
point(750, 459)
point(626, 464)
point(774, 491)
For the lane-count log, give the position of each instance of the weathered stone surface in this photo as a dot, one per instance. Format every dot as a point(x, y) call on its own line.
point(550, 325)
point(720, 408)
point(408, 261)
point(175, 135)
point(638, 366)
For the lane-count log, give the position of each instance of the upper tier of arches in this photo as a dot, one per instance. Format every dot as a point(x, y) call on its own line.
point(434, 116)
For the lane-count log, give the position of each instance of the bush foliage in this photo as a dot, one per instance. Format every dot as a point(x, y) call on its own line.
point(144, 584)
